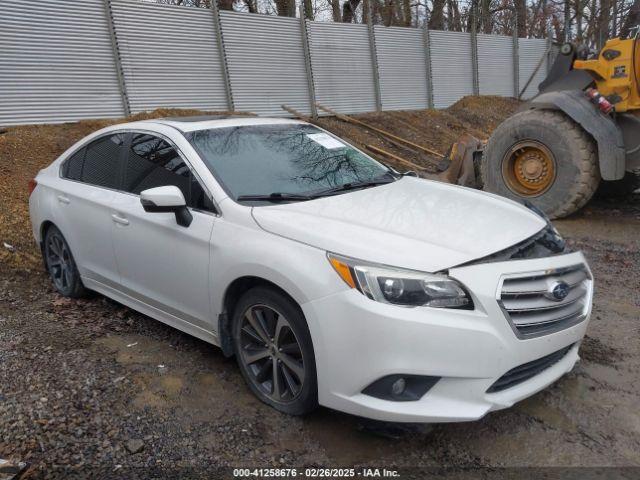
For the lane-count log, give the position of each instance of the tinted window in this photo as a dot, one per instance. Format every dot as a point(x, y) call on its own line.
point(72, 168)
point(153, 162)
point(102, 161)
point(262, 159)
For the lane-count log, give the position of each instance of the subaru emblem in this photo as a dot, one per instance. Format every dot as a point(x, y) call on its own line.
point(559, 290)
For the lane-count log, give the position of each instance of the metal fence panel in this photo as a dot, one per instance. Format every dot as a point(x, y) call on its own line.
point(402, 67)
point(450, 67)
point(56, 63)
point(169, 56)
point(531, 51)
point(495, 65)
point(266, 63)
point(342, 66)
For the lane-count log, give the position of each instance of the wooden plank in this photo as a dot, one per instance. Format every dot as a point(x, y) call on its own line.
point(398, 159)
point(346, 118)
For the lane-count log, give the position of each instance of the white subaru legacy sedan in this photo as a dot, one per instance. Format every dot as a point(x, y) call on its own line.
point(333, 279)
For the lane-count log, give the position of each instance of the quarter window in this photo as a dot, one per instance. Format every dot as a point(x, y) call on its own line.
point(153, 162)
point(98, 163)
point(101, 163)
point(72, 168)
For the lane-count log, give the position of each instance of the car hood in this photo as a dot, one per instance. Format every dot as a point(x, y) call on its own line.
point(411, 223)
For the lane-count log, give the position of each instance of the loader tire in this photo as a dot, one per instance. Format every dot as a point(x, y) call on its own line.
point(544, 157)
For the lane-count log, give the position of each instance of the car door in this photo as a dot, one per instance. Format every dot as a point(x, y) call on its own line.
point(161, 263)
point(89, 179)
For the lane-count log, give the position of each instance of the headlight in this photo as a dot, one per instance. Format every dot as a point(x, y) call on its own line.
point(401, 287)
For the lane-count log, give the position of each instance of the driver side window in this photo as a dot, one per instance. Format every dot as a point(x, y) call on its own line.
point(153, 162)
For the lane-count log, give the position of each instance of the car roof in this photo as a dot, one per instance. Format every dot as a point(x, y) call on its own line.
point(203, 122)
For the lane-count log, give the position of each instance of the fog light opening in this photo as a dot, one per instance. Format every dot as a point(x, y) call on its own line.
point(401, 387)
point(398, 387)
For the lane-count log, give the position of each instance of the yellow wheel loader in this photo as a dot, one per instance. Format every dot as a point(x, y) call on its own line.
point(582, 128)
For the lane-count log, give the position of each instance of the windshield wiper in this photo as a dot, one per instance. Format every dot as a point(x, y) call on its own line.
point(275, 197)
point(353, 186)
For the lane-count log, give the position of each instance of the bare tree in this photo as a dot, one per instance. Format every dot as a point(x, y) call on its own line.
point(286, 8)
point(436, 21)
point(349, 10)
point(632, 20)
point(335, 11)
point(589, 21)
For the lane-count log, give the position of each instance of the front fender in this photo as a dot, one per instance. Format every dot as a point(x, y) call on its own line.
point(299, 269)
point(606, 133)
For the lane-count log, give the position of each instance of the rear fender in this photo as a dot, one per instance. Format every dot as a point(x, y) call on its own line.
point(606, 133)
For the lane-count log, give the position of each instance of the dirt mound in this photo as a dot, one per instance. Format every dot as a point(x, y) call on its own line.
point(24, 150)
point(434, 129)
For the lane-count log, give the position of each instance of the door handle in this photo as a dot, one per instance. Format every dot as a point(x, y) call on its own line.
point(120, 220)
point(64, 199)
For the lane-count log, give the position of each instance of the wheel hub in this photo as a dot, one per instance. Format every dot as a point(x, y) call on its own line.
point(529, 168)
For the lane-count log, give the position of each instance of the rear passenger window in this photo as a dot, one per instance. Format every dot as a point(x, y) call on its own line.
point(72, 167)
point(102, 161)
point(153, 162)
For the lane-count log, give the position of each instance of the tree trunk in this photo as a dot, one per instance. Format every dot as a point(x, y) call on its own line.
point(225, 4)
point(455, 24)
point(436, 20)
point(567, 21)
point(485, 16)
point(521, 17)
point(603, 22)
point(335, 11)
point(579, 19)
point(349, 10)
point(406, 13)
point(388, 13)
point(308, 9)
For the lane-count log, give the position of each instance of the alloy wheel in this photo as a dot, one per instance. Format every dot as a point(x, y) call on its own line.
point(271, 354)
point(59, 261)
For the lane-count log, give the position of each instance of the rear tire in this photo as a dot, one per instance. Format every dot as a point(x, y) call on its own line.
point(572, 154)
point(273, 348)
point(61, 265)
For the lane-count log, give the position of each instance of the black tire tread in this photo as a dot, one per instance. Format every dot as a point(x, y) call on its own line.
point(578, 141)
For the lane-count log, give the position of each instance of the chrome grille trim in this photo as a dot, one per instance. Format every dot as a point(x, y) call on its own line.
point(532, 311)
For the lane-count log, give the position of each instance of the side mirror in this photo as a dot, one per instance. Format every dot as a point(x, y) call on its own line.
point(168, 199)
point(410, 173)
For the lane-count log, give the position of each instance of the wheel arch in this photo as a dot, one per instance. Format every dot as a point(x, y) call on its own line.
point(44, 226)
point(232, 294)
point(605, 132)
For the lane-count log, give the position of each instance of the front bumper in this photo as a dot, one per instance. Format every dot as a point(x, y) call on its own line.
point(357, 341)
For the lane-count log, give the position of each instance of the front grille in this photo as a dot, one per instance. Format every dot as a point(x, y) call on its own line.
point(533, 310)
point(528, 370)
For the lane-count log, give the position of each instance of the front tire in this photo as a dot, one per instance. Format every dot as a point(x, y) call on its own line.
point(544, 157)
point(273, 348)
point(61, 265)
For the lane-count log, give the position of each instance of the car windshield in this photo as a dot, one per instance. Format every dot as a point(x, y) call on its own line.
point(284, 162)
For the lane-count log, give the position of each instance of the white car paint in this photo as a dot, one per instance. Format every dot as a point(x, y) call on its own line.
point(169, 196)
point(430, 225)
point(180, 276)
